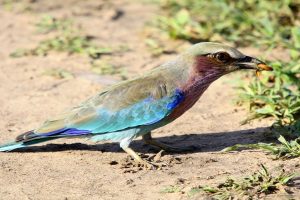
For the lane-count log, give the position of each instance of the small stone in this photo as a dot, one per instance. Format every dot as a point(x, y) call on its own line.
point(113, 162)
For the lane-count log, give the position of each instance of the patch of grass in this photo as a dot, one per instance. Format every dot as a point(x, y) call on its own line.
point(67, 39)
point(257, 185)
point(59, 73)
point(15, 5)
point(291, 130)
point(155, 47)
point(242, 22)
point(277, 94)
point(8, 4)
point(171, 189)
point(65, 43)
point(49, 23)
point(285, 150)
point(194, 191)
point(105, 67)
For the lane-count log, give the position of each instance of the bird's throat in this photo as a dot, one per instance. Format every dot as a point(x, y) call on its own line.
point(192, 91)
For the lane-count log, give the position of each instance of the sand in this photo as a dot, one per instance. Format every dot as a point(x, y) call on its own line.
point(80, 169)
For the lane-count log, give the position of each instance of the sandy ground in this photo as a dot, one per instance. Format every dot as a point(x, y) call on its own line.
point(79, 169)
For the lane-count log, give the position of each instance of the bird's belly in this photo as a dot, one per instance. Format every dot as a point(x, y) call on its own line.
point(118, 135)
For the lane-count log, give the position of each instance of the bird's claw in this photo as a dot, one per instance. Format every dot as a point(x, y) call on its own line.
point(153, 162)
point(158, 156)
point(149, 165)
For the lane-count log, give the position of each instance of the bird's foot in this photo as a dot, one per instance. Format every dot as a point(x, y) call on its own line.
point(153, 162)
point(150, 163)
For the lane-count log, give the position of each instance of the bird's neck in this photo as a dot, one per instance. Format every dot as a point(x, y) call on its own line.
point(193, 87)
point(198, 81)
point(197, 85)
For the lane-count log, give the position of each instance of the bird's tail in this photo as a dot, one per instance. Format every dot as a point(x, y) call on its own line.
point(11, 146)
point(30, 138)
point(24, 140)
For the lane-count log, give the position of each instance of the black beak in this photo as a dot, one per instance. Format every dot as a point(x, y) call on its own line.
point(248, 62)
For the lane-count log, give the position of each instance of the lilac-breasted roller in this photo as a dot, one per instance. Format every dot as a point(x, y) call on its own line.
point(135, 107)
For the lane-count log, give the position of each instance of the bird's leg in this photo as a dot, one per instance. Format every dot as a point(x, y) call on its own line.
point(146, 164)
point(149, 140)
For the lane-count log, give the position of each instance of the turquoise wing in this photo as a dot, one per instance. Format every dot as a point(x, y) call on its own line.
point(145, 112)
point(131, 104)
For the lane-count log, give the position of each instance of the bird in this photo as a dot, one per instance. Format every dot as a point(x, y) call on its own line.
point(134, 108)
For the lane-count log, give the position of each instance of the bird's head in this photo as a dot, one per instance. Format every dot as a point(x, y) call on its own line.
point(215, 58)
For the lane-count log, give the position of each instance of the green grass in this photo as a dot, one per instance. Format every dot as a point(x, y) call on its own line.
point(277, 94)
point(65, 43)
point(49, 23)
point(284, 150)
point(66, 37)
point(257, 185)
point(59, 73)
point(155, 47)
point(251, 22)
point(171, 189)
point(15, 5)
point(105, 67)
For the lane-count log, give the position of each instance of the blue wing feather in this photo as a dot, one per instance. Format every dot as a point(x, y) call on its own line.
point(145, 112)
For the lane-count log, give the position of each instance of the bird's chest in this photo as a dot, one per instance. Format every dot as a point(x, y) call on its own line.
point(190, 98)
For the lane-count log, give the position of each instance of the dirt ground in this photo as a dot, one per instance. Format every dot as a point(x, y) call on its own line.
point(79, 169)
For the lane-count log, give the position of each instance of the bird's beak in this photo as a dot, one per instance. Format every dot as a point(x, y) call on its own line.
point(252, 63)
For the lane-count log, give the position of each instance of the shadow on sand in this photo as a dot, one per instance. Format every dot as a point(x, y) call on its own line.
point(201, 142)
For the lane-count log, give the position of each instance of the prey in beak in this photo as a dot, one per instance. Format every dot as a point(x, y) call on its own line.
point(248, 62)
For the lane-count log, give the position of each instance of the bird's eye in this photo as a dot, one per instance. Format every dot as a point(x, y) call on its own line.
point(222, 57)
